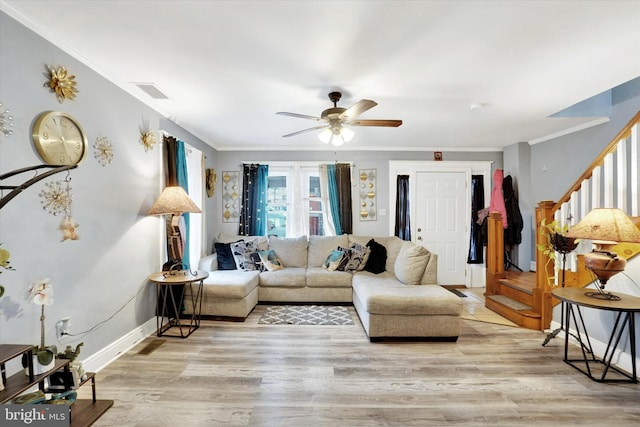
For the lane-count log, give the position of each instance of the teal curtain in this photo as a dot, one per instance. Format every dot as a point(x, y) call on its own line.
point(334, 204)
point(253, 212)
point(182, 181)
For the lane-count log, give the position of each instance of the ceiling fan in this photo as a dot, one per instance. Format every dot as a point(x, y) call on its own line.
point(336, 117)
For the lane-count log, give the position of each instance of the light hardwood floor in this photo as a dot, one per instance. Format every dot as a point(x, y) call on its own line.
point(247, 374)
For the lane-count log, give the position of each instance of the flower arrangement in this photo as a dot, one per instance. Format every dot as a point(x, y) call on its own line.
point(556, 242)
point(41, 293)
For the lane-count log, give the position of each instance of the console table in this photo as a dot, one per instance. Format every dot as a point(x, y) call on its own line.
point(169, 306)
point(625, 308)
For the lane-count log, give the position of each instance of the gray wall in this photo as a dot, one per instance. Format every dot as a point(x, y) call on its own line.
point(232, 160)
point(119, 244)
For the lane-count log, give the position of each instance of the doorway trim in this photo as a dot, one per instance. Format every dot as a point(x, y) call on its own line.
point(475, 273)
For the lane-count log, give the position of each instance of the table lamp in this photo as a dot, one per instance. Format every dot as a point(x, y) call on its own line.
point(174, 201)
point(605, 227)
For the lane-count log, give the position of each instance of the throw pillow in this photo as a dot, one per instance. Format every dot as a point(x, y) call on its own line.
point(358, 257)
point(225, 257)
point(336, 260)
point(270, 261)
point(411, 263)
point(245, 254)
point(377, 258)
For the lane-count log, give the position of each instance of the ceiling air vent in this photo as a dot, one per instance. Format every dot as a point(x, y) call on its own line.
point(151, 90)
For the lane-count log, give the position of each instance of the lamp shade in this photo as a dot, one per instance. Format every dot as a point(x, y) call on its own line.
point(606, 225)
point(173, 200)
point(336, 135)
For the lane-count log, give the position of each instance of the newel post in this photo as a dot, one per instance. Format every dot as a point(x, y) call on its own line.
point(544, 265)
point(495, 253)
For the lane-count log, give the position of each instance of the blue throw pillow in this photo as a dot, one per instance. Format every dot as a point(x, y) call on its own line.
point(225, 256)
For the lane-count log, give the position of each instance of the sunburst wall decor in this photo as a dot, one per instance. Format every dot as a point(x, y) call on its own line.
point(147, 139)
point(103, 150)
point(6, 121)
point(56, 197)
point(62, 83)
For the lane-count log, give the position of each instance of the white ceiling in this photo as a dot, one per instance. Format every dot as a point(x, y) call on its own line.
point(229, 66)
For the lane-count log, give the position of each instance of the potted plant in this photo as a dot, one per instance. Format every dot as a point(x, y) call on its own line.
point(41, 293)
point(556, 242)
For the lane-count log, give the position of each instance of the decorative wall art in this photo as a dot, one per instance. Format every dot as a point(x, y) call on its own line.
point(368, 195)
point(62, 83)
point(230, 196)
point(6, 121)
point(56, 199)
point(103, 150)
point(147, 137)
point(211, 177)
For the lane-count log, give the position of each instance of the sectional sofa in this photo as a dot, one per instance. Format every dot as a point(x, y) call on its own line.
point(393, 289)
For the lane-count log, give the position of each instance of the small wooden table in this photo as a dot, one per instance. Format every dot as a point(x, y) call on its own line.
point(169, 306)
point(627, 306)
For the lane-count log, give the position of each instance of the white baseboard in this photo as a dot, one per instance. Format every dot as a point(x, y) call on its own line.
point(532, 267)
point(108, 354)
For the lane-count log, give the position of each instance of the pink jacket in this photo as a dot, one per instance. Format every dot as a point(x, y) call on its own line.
point(497, 198)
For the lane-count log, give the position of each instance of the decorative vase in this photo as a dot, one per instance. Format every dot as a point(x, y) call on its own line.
point(38, 368)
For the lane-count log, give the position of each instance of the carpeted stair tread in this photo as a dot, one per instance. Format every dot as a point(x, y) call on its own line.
point(511, 303)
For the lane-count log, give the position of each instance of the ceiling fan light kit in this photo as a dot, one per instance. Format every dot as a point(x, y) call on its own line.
point(335, 131)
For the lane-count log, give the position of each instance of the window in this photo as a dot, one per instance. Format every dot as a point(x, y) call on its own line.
point(294, 204)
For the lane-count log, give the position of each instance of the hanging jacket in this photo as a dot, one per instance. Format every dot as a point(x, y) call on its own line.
point(497, 199)
point(513, 232)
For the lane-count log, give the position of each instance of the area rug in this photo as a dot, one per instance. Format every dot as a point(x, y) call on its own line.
point(306, 315)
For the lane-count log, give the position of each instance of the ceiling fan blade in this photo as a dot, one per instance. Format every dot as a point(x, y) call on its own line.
point(356, 109)
point(381, 123)
point(305, 130)
point(300, 116)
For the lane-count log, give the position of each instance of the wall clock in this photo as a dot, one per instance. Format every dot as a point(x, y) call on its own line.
point(59, 138)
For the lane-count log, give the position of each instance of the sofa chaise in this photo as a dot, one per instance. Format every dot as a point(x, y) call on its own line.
point(397, 298)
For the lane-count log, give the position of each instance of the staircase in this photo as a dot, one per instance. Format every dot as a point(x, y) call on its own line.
point(612, 180)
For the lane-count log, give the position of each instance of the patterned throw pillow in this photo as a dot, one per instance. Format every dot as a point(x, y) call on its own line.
point(336, 260)
point(270, 261)
point(245, 254)
point(358, 257)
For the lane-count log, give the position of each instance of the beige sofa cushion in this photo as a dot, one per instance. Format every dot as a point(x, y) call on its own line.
point(410, 263)
point(232, 284)
point(393, 245)
point(321, 246)
point(386, 295)
point(318, 277)
point(290, 277)
point(292, 252)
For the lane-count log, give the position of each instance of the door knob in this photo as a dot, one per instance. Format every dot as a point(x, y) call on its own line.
point(419, 229)
point(419, 237)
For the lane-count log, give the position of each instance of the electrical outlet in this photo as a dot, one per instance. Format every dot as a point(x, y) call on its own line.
point(62, 328)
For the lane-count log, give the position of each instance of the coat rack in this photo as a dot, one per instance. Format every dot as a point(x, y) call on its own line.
point(17, 189)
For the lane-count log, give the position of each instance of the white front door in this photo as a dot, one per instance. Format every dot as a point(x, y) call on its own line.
point(441, 222)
